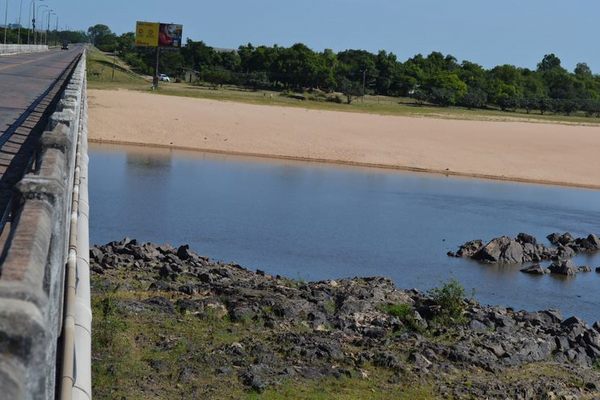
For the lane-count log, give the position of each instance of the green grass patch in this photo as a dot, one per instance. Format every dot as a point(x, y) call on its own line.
point(107, 72)
point(347, 388)
point(100, 76)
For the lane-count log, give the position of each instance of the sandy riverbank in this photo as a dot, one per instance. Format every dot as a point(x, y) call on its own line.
point(521, 151)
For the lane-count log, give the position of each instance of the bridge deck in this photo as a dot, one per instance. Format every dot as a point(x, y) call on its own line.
point(28, 88)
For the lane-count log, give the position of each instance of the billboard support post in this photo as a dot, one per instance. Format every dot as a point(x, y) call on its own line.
point(156, 68)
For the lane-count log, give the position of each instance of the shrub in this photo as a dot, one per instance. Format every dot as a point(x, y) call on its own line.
point(405, 313)
point(451, 298)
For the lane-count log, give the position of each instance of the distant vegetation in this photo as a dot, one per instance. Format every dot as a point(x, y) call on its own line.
point(52, 37)
point(436, 79)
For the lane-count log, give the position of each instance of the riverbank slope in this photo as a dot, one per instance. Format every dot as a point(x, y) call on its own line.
point(559, 154)
point(169, 323)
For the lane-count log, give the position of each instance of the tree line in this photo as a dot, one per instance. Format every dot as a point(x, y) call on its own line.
point(436, 78)
point(51, 37)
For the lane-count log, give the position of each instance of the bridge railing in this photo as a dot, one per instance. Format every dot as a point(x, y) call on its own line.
point(21, 48)
point(42, 266)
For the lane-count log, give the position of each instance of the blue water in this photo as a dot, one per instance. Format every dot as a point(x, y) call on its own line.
point(318, 221)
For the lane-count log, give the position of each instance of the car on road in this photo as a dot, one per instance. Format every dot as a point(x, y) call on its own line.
point(164, 78)
point(65, 46)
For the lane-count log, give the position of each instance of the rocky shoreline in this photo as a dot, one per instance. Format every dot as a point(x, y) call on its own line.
point(355, 328)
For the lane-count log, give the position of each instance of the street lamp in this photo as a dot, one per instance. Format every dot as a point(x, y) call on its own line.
point(56, 32)
point(38, 13)
point(19, 35)
point(32, 2)
point(48, 28)
point(43, 25)
point(5, 20)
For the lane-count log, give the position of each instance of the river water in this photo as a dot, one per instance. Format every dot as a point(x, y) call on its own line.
point(316, 221)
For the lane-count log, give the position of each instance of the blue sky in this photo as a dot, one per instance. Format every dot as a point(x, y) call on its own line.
point(487, 32)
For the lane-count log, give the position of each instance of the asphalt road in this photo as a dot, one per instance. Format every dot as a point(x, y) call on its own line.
point(25, 81)
point(24, 77)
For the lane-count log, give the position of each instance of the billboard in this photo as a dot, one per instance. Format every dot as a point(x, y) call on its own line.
point(155, 34)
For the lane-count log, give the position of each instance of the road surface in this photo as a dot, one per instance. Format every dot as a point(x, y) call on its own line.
point(24, 77)
point(28, 91)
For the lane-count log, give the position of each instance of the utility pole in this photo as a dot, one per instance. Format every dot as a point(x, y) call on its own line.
point(114, 63)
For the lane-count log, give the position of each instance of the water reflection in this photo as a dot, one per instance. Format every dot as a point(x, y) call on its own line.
point(327, 221)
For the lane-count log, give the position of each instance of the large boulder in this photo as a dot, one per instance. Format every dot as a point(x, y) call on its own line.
point(501, 250)
point(563, 267)
point(525, 238)
point(557, 239)
point(468, 249)
point(535, 269)
point(590, 243)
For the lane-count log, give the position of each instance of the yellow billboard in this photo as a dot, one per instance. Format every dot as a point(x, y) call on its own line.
point(146, 34)
point(155, 34)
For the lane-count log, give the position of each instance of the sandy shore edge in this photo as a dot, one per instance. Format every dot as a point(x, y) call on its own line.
point(522, 152)
point(351, 163)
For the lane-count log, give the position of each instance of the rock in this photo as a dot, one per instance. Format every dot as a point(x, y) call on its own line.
point(419, 360)
point(183, 252)
point(565, 239)
point(206, 278)
point(553, 238)
point(253, 379)
point(468, 249)
point(525, 238)
point(535, 269)
point(96, 254)
point(161, 286)
point(565, 252)
point(330, 329)
point(575, 326)
point(160, 304)
point(524, 248)
point(594, 240)
point(386, 359)
point(501, 250)
point(563, 267)
point(584, 268)
point(477, 326)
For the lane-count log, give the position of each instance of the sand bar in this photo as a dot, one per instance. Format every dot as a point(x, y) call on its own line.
point(559, 154)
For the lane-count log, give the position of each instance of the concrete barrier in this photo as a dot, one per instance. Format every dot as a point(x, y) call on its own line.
point(33, 272)
point(21, 48)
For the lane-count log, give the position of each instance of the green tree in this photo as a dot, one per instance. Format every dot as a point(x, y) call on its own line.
point(504, 86)
point(445, 88)
point(198, 56)
point(217, 77)
point(350, 89)
point(475, 98)
point(97, 32)
point(387, 81)
point(548, 63)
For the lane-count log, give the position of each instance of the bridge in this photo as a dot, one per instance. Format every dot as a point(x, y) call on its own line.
point(45, 315)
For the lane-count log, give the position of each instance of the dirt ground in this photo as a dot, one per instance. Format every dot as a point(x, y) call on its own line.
point(560, 154)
